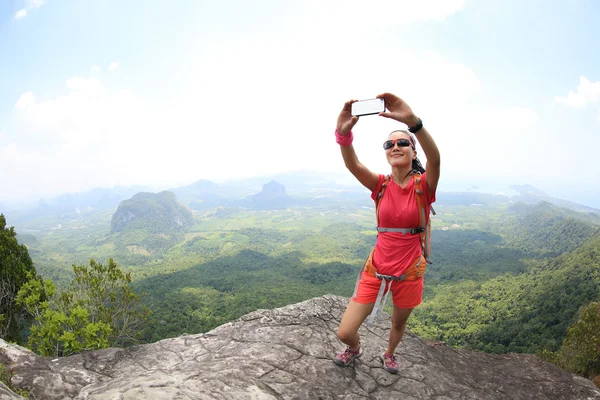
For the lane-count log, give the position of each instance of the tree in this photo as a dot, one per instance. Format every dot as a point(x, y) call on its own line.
point(98, 310)
point(580, 352)
point(15, 265)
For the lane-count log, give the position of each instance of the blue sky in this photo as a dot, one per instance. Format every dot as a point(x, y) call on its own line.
point(104, 93)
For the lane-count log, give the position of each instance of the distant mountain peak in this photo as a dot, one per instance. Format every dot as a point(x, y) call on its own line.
point(272, 196)
point(273, 189)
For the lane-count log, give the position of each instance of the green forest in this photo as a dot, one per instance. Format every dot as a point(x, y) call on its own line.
point(505, 277)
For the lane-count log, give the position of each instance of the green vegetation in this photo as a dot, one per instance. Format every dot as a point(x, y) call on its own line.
point(545, 230)
point(471, 254)
point(580, 352)
point(205, 296)
point(16, 266)
point(99, 310)
point(527, 312)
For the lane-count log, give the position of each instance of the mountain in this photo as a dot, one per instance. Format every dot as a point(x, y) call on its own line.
point(544, 228)
point(156, 211)
point(524, 194)
point(287, 353)
point(272, 197)
point(149, 223)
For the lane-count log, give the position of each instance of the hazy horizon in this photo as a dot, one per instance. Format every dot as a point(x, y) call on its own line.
point(104, 94)
point(343, 179)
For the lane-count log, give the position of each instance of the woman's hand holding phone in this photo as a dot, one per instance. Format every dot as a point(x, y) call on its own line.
point(398, 110)
point(346, 120)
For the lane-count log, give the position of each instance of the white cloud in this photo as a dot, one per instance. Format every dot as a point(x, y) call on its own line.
point(95, 68)
point(30, 5)
point(80, 140)
point(21, 13)
point(113, 66)
point(25, 101)
point(91, 86)
point(63, 113)
point(587, 93)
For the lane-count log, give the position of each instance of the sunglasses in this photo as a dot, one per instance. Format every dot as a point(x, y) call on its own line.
point(388, 144)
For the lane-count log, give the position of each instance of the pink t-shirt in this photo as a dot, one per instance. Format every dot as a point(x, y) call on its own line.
point(394, 251)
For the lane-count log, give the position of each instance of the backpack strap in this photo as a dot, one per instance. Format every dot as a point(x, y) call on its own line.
point(386, 180)
point(424, 222)
point(404, 231)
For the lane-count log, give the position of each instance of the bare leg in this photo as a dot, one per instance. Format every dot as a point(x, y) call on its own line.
point(399, 318)
point(354, 316)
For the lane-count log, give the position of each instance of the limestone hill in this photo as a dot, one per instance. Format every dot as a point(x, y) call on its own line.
point(286, 354)
point(159, 211)
point(150, 223)
point(272, 196)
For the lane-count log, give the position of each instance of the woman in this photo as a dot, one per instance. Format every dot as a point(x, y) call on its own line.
point(394, 252)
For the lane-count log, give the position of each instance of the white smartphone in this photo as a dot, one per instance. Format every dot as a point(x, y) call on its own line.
point(368, 107)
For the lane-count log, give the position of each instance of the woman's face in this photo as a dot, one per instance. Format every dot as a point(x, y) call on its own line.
point(400, 156)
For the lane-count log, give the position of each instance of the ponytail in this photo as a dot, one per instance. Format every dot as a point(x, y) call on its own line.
point(417, 166)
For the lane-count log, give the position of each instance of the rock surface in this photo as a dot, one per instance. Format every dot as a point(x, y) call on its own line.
point(286, 354)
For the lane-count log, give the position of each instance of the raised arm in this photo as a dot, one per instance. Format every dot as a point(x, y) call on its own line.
point(400, 111)
point(345, 123)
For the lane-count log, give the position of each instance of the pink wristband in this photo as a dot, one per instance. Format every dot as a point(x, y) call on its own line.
point(343, 140)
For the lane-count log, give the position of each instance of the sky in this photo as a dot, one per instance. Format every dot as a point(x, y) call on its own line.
point(104, 93)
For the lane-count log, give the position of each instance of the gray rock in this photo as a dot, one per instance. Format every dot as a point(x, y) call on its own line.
point(6, 393)
point(286, 354)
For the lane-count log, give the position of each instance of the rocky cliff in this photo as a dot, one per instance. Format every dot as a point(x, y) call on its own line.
point(286, 354)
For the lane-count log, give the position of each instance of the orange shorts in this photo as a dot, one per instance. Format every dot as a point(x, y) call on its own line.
point(405, 294)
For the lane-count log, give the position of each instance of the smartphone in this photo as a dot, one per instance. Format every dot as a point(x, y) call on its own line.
point(368, 107)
